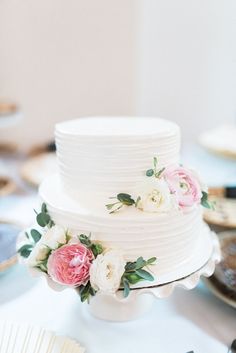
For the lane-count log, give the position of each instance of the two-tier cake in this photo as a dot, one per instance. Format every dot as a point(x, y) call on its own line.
point(121, 181)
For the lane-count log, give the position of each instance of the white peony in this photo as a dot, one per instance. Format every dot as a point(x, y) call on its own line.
point(155, 196)
point(53, 237)
point(49, 240)
point(106, 271)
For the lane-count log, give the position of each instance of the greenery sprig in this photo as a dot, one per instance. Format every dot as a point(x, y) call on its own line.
point(154, 171)
point(135, 273)
point(34, 236)
point(44, 220)
point(96, 248)
point(205, 201)
point(86, 291)
point(122, 199)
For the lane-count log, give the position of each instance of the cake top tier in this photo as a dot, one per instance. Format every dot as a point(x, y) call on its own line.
point(110, 154)
point(117, 126)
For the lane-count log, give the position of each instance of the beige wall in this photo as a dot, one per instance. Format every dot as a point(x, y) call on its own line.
point(63, 59)
point(187, 62)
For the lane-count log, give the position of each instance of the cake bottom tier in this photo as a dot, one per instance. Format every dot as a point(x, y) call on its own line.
point(180, 241)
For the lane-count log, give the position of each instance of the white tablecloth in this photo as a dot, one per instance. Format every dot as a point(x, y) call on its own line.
point(188, 320)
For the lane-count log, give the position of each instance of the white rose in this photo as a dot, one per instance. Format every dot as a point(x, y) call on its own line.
point(155, 196)
point(38, 254)
point(53, 237)
point(106, 271)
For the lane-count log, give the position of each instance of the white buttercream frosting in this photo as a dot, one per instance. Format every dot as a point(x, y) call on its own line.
point(111, 155)
point(101, 157)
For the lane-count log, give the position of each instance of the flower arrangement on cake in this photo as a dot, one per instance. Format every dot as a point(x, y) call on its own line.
point(165, 189)
point(74, 260)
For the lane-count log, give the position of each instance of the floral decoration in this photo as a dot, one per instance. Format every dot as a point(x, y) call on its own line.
point(78, 262)
point(167, 188)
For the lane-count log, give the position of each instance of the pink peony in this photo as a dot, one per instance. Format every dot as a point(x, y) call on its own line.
point(70, 265)
point(184, 184)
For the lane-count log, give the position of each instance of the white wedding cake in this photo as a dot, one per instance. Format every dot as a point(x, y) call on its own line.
point(120, 179)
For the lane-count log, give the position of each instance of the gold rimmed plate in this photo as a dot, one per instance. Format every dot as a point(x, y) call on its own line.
point(224, 213)
point(223, 282)
point(8, 237)
point(220, 140)
point(7, 185)
point(36, 168)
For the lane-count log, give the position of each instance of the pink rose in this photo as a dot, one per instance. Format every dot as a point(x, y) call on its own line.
point(70, 264)
point(184, 184)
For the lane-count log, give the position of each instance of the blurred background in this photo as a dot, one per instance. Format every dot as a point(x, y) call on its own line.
point(174, 59)
point(61, 60)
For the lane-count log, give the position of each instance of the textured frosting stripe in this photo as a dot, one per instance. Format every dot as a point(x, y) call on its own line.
point(112, 154)
point(135, 232)
point(174, 243)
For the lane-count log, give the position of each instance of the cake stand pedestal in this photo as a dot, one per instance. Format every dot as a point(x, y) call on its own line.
point(117, 308)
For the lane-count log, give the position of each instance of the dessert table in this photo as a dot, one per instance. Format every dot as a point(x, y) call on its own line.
point(186, 321)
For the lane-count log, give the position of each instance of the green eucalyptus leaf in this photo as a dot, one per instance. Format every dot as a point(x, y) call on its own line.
point(205, 202)
point(204, 196)
point(43, 219)
point(51, 223)
point(155, 162)
point(149, 172)
point(132, 277)
point(151, 260)
point(96, 249)
point(85, 292)
point(140, 263)
point(68, 237)
point(157, 175)
point(44, 208)
point(145, 275)
point(126, 288)
point(137, 201)
point(110, 205)
point(125, 199)
point(117, 209)
point(130, 266)
point(36, 236)
point(92, 291)
point(25, 250)
point(84, 239)
point(43, 265)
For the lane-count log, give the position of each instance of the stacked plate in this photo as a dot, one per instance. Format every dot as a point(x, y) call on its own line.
point(224, 208)
point(37, 168)
point(9, 114)
point(15, 338)
point(7, 185)
point(8, 237)
point(220, 140)
point(223, 281)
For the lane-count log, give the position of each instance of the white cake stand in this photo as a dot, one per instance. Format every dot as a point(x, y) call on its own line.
point(116, 308)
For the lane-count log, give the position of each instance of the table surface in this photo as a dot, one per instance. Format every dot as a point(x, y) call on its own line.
point(187, 320)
